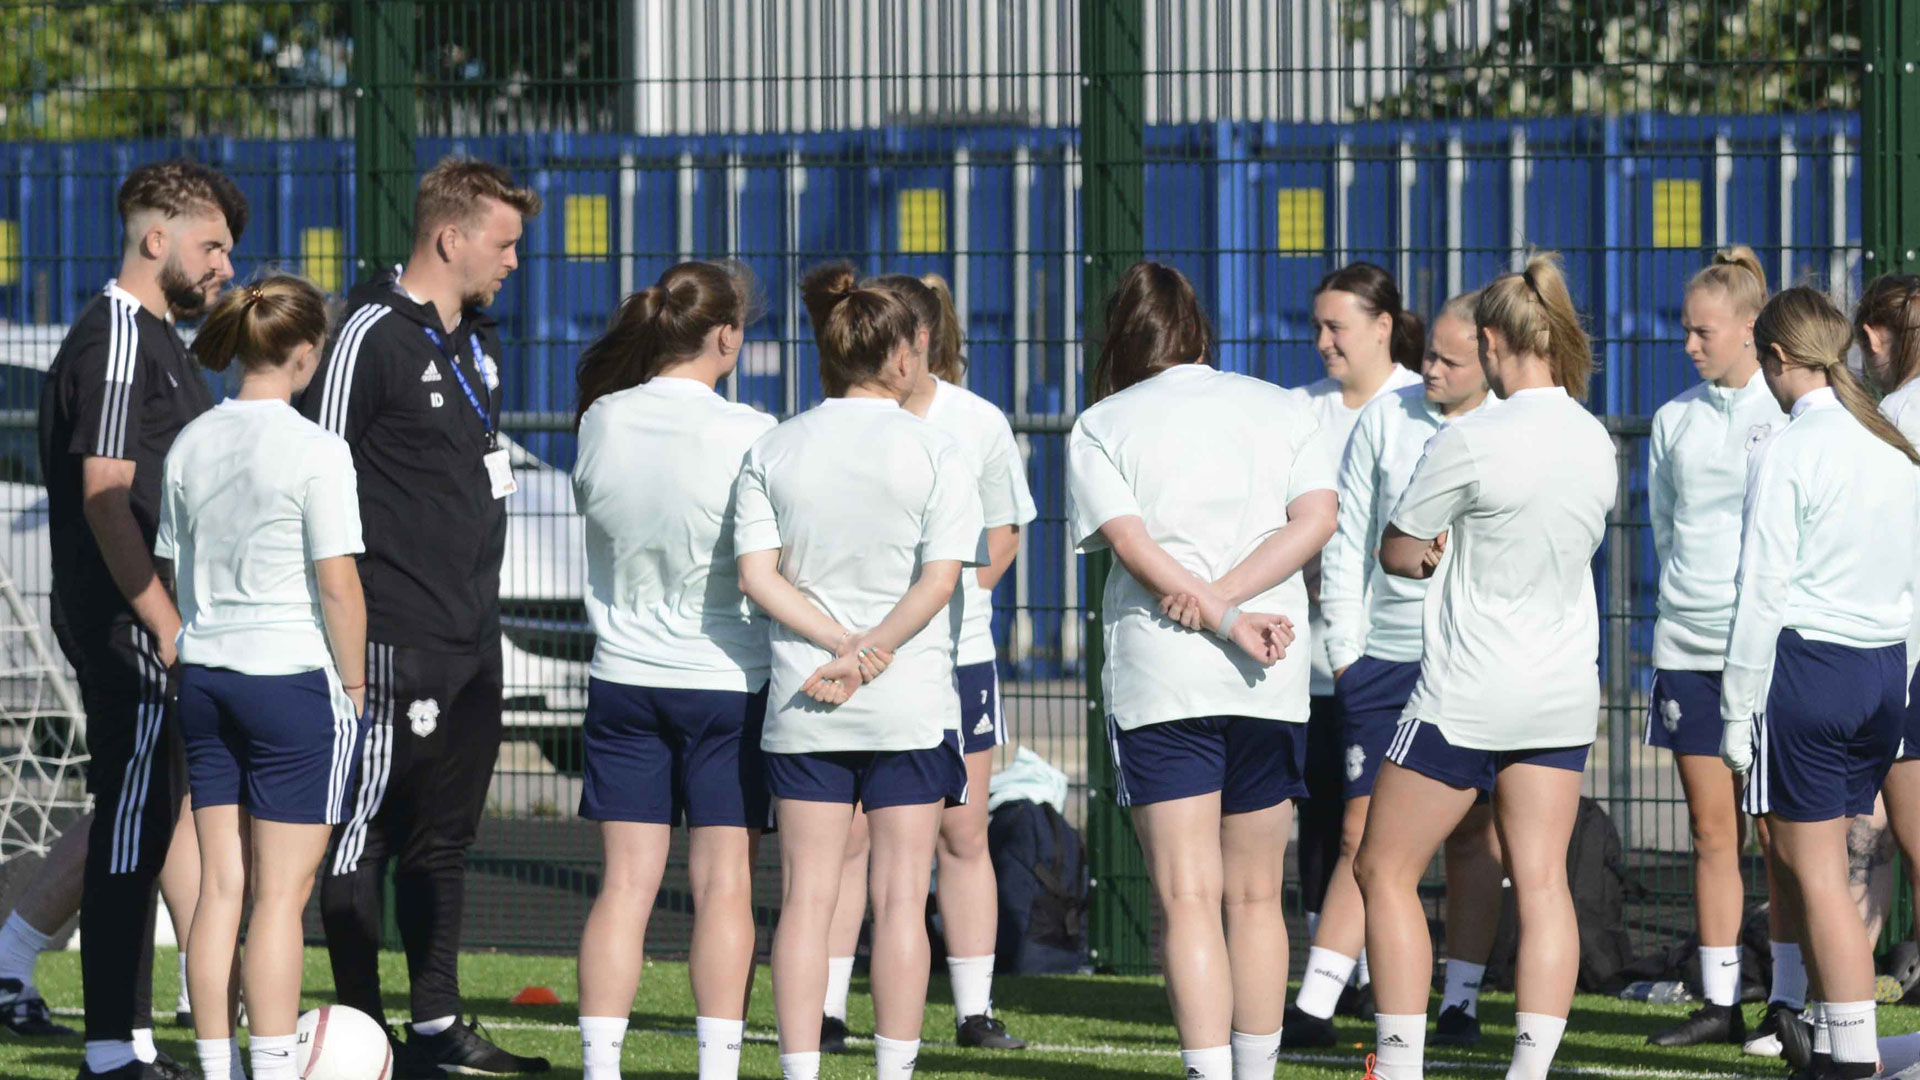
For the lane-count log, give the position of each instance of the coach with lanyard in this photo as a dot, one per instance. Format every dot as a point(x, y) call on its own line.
point(411, 382)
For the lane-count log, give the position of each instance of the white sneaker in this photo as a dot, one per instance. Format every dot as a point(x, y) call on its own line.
point(1767, 1045)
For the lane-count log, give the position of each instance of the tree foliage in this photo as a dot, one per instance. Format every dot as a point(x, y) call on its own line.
point(1547, 57)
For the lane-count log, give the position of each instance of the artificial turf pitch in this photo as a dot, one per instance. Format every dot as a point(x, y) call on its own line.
point(1081, 1028)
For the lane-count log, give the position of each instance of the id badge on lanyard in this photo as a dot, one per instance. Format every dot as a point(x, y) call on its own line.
point(499, 468)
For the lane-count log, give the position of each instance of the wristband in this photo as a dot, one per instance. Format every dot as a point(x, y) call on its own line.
point(1231, 616)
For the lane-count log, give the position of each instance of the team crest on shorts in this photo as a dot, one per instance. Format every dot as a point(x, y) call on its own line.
point(1757, 434)
point(1356, 761)
point(1670, 715)
point(424, 716)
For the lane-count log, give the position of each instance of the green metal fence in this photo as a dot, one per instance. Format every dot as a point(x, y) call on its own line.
point(1029, 150)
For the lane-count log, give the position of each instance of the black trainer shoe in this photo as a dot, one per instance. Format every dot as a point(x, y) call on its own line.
point(1764, 1039)
point(833, 1035)
point(1357, 1002)
point(987, 1033)
point(1816, 1068)
point(463, 1049)
point(1303, 1029)
point(1851, 1070)
point(1796, 1039)
point(25, 1012)
point(1456, 1027)
point(171, 1069)
point(1709, 1023)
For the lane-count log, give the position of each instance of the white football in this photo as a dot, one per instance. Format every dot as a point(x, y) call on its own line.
point(341, 1043)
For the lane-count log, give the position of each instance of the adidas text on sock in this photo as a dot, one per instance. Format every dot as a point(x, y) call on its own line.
point(1325, 977)
point(600, 1041)
point(1254, 1056)
point(1399, 1045)
point(1536, 1038)
point(1463, 985)
point(719, 1046)
point(1851, 1029)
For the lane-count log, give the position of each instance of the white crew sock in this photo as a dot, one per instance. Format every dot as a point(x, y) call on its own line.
point(273, 1057)
point(972, 979)
point(1852, 1032)
point(1399, 1045)
point(434, 1026)
point(719, 1046)
point(216, 1058)
point(185, 1003)
point(106, 1055)
point(1463, 986)
point(1255, 1055)
point(1326, 976)
point(839, 978)
point(1789, 974)
point(1361, 976)
point(600, 1039)
point(143, 1047)
point(1720, 973)
point(1536, 1038)
point(20, 949)
point(1822, 1040)
point(1212, 1063)
point(800, 1066)
point(894, 1059)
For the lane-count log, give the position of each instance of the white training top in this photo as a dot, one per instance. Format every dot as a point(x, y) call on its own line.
point(1336, 430)
point(1697, 480)
point(858, 494)
point(987, 444)
point(1513, 631)
point(1369, 611)
point(1209, 461)
point(1825, 548)
point(654, 481)
point(252, 495)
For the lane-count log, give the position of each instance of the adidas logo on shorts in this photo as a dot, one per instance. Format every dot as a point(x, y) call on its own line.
point(985, 726)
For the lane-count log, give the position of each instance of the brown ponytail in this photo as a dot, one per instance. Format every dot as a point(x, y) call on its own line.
point(262, 323)
point(1379, 294)
point(1534, 312)
point(664, 324)
point(1800, 326)
point(856, 328)
point(944, 355)
point(1892, 304)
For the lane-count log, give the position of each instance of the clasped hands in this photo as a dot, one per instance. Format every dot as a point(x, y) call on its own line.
point(1260, 635)
point(856, 662)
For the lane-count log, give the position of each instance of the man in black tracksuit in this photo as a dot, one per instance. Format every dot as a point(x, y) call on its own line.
point(411, 382)
point(119, 391)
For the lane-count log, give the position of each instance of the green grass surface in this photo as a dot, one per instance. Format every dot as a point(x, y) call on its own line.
point(1082, 1028)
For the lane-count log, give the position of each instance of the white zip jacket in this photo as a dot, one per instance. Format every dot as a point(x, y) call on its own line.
point(1697, 482)
point(1336, 428)
point(1826, 547)
point(1369, 611)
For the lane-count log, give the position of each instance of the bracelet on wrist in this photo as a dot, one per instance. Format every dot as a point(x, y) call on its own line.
point(1227, 619)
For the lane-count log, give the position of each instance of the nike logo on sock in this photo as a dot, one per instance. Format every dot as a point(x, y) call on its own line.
point(275, 1053)
point(1730, 963)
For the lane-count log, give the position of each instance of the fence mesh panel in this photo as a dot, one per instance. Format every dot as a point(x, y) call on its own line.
point(1439, 138)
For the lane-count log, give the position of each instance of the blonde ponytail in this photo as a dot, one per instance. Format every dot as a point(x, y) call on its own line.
point(1737, 272)
point(1534, 312)
point(1800, 326)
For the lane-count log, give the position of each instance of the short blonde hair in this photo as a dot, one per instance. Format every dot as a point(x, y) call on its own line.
point(456, 190)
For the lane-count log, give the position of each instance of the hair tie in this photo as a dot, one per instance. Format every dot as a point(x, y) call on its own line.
point(255, 294)
point(1527, 276)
